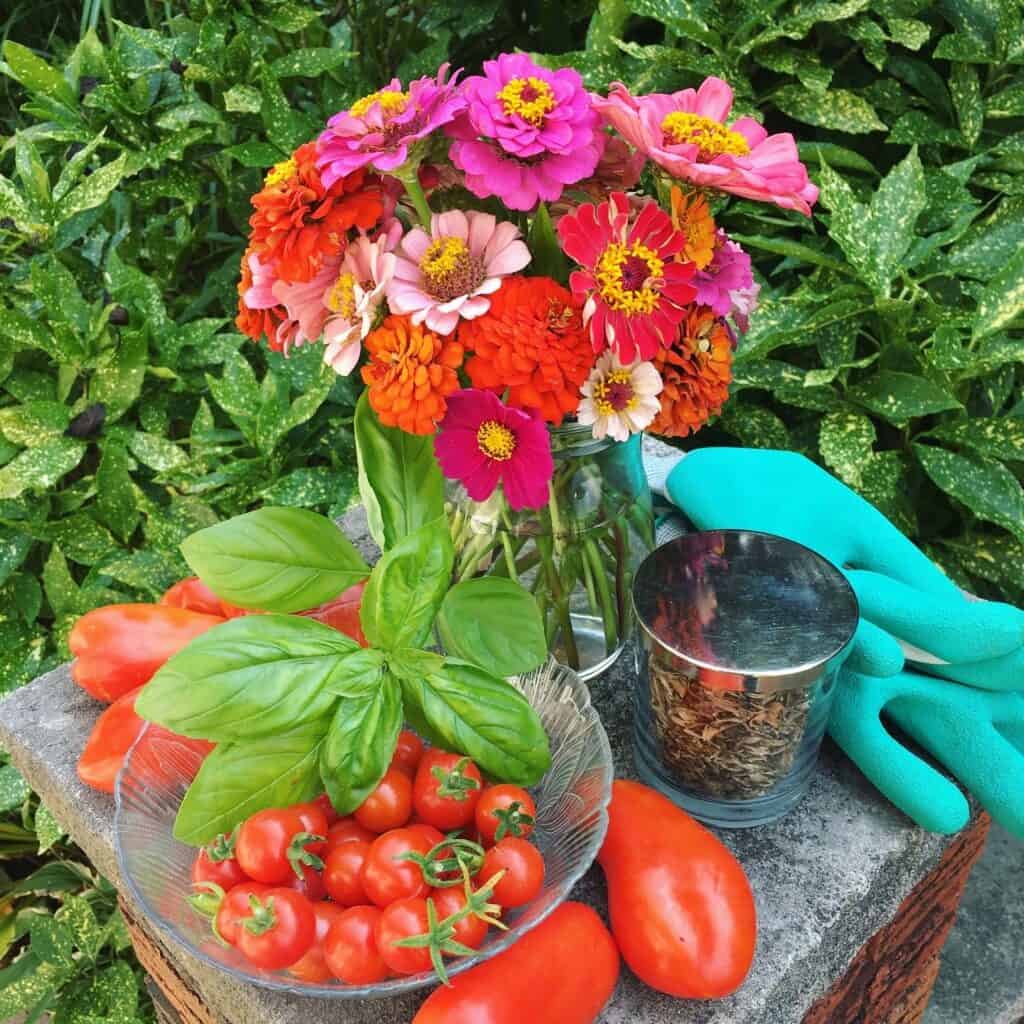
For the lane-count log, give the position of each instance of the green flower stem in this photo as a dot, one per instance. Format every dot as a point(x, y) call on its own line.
point(608, 616)
point(410, 179)
point(559, 599)
point(510, 556)
point(588, 582)
point(621, 563)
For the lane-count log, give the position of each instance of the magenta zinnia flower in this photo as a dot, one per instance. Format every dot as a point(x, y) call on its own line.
point(381, 129)
point(483, 442)
point(727, 283)
point(527, 132)
point(686, 134)
point(636, 292)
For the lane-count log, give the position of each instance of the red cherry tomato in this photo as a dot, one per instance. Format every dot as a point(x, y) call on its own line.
point(408, 752)
point(234, 908)
point(401, 920)
point(313, 966)
point(311, 884)
point(343, 871)
point(435, 835)
point(471, 930)
point(386, 875)
point(524, 871)
point(350, 948)
point(342, 612)
point(446, 790)
point(314, 821)
point(279, 930)
point(216, 863)
point(192, 593)
point(266, 846)
point(323, 801)
point(389, 805)
point(347, 830)
point(504, 810)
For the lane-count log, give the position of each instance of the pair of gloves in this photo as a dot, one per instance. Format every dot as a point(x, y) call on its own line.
point(948, 670)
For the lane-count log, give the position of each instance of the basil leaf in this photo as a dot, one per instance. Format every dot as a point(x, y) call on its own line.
point(275, 559)
point(238, 779)
point(250, 677)
point(360, 744)
point(462, 707)
point(406, 588)
point(494, 622)
point(400, 481)
point(357, 673)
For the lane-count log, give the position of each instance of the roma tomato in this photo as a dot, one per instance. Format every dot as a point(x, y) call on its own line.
point(350, 949)
point(347, 830)
point(323, 801)
point(561, 972)
point(387, 876)
point(446, 790)
point(389, 805)
point(524, 871)
point(471, 930)
point(343, 873)
point(342, 613)
point(680, 905)
point(270, 846)
point(120, 647)
point(192, 593)
point(279, 929)
point(402, 920)
point(408, 752)
point(216, 863)
point(504, 810)
point(234, 907)
point(313, 966)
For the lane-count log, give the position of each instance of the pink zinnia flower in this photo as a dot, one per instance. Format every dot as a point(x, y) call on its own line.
point(527, 132)
point(686, 134)
point(260, 295)
point(449, 273)
point(636, 292)
point(383, 128)
point(726, 275)
point(483, 442)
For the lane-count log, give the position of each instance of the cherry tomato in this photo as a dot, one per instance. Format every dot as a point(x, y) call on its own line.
point(401, 920)
point(446, 790)
point(435, 835)
point(504, 810)
point(279, 930)
point(346, 830)
point(524, 871)
point(471, 930)
point(389, 805)
point(216, 863)
point(343, 872)
point(323, 801)
point(234, 908)
point(386, 877)
point(314, 821)
point(408, 752)
point(265, 847)
point(342, 612)
point(311, 884)
point(350, 948)
point(192, 593)
point(313, 966)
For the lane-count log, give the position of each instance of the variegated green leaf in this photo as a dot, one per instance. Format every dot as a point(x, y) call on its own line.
point(838, 109)
point(900, 397)
point(49, 830)
point(40, 467)
point(966, 92)
point(1001, 437)
point(846, 440)
point(1003, 300)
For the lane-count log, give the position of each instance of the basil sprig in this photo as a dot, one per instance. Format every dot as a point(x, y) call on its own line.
point(296, 706)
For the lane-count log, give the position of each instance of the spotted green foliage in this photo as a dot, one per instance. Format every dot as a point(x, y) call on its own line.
point(840, 109)
point(846, 441)
point(899, 397)
point(1002, 302)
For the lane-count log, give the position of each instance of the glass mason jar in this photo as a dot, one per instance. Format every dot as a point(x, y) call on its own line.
point(741, 641)
point(577, 555)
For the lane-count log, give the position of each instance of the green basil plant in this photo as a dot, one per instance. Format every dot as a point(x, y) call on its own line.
point(295, 706)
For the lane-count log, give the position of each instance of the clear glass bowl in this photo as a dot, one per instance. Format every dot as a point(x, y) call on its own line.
point(572, 818)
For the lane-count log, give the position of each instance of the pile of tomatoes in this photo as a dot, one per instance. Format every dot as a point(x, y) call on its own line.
point(420, 871)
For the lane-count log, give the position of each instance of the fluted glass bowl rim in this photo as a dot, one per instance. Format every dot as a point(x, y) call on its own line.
point(571, 688)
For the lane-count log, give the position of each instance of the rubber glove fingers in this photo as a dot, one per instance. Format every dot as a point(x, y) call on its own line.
point(873, 652)
point(948, 626)
point(915, 787)
point(1003, 673)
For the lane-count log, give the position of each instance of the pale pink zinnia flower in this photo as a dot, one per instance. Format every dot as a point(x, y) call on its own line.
point(261, 295)
point(686, 134)
point(619, 400)
point(448, 274)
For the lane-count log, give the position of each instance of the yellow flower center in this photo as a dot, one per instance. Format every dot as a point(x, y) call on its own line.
point(341, 299)
point(531, 98)
point(615, 393)
point(279, 173)
point(711, 137)
point(627, 278)
point(391, 103)
point(495, 440)
point(449, 269)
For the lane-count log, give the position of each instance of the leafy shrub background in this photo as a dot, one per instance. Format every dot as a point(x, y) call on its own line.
point(888, 345)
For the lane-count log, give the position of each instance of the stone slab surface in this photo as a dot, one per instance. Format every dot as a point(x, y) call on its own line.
point(826, 877)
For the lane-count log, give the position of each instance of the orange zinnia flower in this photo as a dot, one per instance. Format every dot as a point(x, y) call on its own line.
point(297, 221)
point(409, 374)
point(532, 341)
point(692, 216)
point(696, 372)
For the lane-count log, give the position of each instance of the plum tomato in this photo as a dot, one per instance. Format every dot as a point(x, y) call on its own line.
point(311, 884)
point(524, 871)
point(403, 919)
point(389, 805)
point(387, 874)
point(313, 966)
point(323, 801)
point(471, 930)
point(350, 949)
point(343, 872)
point(234, 907)
point(346, 830)
point(446, 790)
point(216, 863)
point(270, 846)
point(278, 930)
point(408, 752)
point(504, 810)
